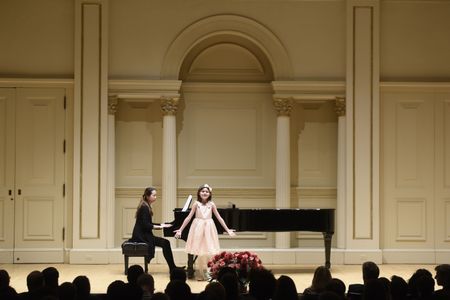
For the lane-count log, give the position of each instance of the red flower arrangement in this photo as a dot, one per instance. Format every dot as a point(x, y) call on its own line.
point(242, 262)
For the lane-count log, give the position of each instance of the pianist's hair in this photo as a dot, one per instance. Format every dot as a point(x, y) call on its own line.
point(148, 191)
point(204, 186)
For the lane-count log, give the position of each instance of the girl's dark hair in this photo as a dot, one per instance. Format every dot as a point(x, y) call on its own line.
point(204, 186)
point(148, 191)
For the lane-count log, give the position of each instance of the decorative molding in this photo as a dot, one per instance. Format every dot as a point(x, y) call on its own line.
point(415, 86)
point(31, 82)
point(194, 87)
point(283, 106)
point(112, 105)
point(340, 106)
point(309, 90)
point(169, 105)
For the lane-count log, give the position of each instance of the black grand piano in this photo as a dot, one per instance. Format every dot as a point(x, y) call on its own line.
point(263, 219)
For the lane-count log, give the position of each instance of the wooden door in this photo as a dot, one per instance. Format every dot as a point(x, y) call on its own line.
point(7, 97)
point(39, 175)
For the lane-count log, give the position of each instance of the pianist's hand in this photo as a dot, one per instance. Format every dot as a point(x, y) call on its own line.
point(164, 225)
point(177, 233)
point(231, 232)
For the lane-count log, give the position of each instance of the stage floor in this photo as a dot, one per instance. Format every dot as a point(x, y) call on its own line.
point(101, 276)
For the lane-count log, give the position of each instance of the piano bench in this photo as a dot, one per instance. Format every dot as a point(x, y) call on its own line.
point(134, 249)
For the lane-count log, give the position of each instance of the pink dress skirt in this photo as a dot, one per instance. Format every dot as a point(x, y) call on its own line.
point(203, 238)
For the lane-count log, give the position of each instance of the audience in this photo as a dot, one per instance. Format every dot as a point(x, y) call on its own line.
point(370, 271)
point(178, 290)
point(6, 291)
point(399, 288)
point(66, 291)
point(263, 286)
point(443, 279)
point(285, 289)
point(421, 285)
point(320, 279)
point(83, 288)
point(51, 281)
point(116, 290)
point(147, 284)
point(336, 286)
point(230, 282)
point(35, 285)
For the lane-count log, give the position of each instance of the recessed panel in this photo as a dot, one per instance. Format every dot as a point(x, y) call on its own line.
point(38, 219)
point(42, 141)
point(225, 139)
point(2, 141)
point(411, 219)
point(2, 218)
point(317, 150)
point(128, 221)
point(408, 144)
point(447, 219)
point(135, 145)
point(446, 144)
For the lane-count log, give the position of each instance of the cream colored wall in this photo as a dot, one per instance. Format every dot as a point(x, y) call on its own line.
point(312, 31)
point(414, 46)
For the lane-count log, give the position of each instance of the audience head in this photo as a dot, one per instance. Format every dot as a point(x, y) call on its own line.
point(133, 273)
point(417, 285)
point(178, 290)
point(399, 288)
point(178, 274)
point(215, 291)
point(116, 290)
point(146, 282)
point(376, 290)
point(224, 271)
point(83, 286)
point(320, 279)
point(4, 279)
point(35, 281)
point(285, 289)
point(66, 291)
point(370, 271)
point(336, 286)
point(230, 282)
point(262, 284)
point(443, 275)
point(51, 276)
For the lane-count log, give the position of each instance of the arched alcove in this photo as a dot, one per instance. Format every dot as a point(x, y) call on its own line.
point(242, 31)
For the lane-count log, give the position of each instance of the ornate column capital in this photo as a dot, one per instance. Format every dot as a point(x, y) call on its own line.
point(340, 106)
point(169, 105)
point(283, 106)
point(113, 101)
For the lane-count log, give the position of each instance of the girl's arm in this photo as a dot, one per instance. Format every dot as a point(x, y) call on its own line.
point(221, 221)
point(186, 221)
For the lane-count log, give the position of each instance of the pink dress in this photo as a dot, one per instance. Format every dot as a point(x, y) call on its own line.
point(203, 238)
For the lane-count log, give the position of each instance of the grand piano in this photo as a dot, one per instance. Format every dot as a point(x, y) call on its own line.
point(263, 219)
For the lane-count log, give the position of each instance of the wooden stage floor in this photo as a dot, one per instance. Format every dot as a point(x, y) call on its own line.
point(101, 276)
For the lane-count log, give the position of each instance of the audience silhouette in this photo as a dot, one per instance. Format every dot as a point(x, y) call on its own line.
point(263, 286)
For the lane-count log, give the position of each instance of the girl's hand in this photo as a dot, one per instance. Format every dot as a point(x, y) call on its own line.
point(164, 225)
point(177, 233)
point(231, 232)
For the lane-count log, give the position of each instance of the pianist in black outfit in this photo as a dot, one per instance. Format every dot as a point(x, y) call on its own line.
point(142, 231)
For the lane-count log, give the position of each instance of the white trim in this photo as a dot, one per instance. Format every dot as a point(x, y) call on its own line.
point(31, 82)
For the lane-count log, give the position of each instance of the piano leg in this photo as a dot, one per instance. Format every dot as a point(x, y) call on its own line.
point(327, 239)
point(190, 267)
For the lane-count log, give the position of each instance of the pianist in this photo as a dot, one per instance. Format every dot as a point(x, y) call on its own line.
point(142, 231)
